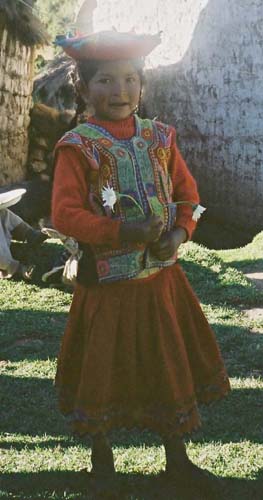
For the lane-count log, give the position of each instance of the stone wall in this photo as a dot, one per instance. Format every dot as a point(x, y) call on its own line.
point(207, 80)
point(16, 77)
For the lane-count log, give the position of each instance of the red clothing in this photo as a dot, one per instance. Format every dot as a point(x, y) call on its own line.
point(138, 352)
point(70, 193)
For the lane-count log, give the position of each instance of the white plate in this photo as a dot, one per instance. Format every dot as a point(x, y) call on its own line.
point(11, 197)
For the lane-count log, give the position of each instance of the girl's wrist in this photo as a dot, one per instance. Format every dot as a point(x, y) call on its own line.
point(181, 234)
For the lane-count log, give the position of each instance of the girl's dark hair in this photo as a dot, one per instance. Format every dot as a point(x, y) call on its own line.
point(85, 70)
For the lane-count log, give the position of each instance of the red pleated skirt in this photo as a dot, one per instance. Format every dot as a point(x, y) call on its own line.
point(138, 353)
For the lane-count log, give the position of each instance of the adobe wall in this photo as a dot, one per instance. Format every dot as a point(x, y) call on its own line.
point(16, 84)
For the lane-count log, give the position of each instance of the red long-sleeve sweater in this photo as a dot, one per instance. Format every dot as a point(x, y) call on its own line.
point(70, 210)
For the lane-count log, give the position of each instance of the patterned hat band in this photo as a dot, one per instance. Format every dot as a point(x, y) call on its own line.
point(108, 45)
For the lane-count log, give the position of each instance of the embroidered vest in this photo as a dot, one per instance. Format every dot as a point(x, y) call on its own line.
point(136, 167)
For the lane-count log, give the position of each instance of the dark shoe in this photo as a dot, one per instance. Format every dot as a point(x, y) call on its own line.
point(105, 488)
point(191, 480)
point(35, 237)
point(24, 272)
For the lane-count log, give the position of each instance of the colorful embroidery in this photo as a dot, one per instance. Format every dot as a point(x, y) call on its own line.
point(147, 133)
point(161, 153)
point(168, 153)
point(103, 267)
point(140, 144)
point(121, 153)
point(105, 142)
point(136, 167)
point(106, 173)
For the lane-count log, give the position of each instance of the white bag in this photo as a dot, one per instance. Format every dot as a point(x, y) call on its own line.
point(70, 272)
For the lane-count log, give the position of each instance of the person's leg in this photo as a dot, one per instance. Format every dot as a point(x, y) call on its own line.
point(8, 268)
point(8, 265)
point(175, 453)
point(13, 227)
point(19, 233)
point(17, 229)
point(101, 455)
point(103, 471)
point(24, 232)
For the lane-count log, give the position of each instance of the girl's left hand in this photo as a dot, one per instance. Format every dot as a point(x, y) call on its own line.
point(168, 243)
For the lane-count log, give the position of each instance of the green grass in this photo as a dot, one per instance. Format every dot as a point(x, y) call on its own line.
point(39, 459)
point(249, 257)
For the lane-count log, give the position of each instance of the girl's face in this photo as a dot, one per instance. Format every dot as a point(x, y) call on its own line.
point(114, 90)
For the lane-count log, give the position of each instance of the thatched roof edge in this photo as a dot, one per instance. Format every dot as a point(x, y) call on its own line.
point(22, 23)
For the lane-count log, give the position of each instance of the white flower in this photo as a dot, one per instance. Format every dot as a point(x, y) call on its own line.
point(109, 197)
point(198, 210)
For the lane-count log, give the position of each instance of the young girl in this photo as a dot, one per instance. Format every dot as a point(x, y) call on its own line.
point(137, 351)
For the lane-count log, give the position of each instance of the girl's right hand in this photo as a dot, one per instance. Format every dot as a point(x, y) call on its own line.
point(145, 231)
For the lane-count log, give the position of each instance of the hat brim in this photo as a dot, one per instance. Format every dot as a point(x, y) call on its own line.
point(11, 197)
point(109, 45)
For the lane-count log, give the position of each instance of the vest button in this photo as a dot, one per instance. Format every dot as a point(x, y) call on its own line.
point(121, 153)
point(140, 144)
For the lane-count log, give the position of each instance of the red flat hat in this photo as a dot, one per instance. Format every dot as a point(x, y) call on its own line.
point(108, 45)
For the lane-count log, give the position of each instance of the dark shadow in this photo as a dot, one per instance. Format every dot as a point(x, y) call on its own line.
point(30, 334)
point(243, 489)
point(246, 361)
point(247, 265)
point(126, 487)
point(30, 407)
point(211, 290)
